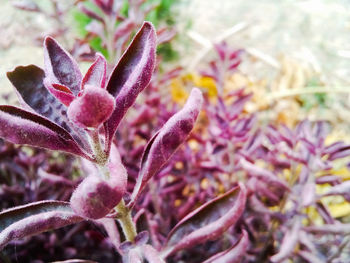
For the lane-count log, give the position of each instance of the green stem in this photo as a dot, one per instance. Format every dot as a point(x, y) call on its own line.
point(125, 220)
point(124, 214)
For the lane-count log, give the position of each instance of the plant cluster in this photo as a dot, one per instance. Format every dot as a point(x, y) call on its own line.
point(236, 190)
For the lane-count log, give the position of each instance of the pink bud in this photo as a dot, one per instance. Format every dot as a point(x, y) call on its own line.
point(92, 108)
point(95, 198)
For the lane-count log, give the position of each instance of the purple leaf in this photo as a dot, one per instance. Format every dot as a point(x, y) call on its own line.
point(234, 254)
point(90, 13)
point(262, 173)
point(164, 143)
point(209, 221)
point(60, 67)
point(29, 82)
point(92, 108)
point(61, 92)
point(340, 189)
point(23, 127)
point(33, 219)
point(96, 74)
point(340, 229)
point(131, 75)
point(288, 243)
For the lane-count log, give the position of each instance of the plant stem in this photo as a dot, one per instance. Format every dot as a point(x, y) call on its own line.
point(100, 155)
point(125, 220)
point(124, 214)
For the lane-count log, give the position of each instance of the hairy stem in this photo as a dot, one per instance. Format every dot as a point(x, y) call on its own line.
point(125, 220)
point(124, 213)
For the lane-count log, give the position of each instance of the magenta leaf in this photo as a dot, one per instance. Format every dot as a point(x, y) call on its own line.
point(60, 67)
point(33, 219)
point(164, 143)
point(131, 75)
point(30, 83)
point(209, 221)
point(96, 74)
point(92, 108)
point(234, 254)
point(61, 92)
point(24, 127)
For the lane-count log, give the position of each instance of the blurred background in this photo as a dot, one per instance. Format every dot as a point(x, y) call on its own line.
point(293, 49)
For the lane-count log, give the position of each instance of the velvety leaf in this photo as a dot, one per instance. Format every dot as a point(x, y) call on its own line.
point(131, 75)
point(33, 219)
point(164, 143)
point(234, 254)
point(96, 74)
point(29, 83)
point(62, 93)
point(92, 108)
point(60, 67)
point(23, 127)
point(209, 221)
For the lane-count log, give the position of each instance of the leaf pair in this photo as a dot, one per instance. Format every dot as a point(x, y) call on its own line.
point(209, 222)
point(34, 218)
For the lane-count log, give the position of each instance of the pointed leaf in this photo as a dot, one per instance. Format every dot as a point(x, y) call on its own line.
point(164, 143)
point(131, 75)
point(289, 242)
point(29, 83)
point(96, 74)
point(33, 219)
point(60, 67)
point(24, 127)
point(234, 254)
point(61, 92)
point(209, 221)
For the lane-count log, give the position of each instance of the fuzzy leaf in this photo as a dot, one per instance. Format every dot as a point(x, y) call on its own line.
point(61, 92)
point(29, 83)
point(33, 219)
point(164, 143)
point(23, 127)
point(234, 254)
point(209, 221)
point(60, 67)
point(131, 75)
point(96, 74)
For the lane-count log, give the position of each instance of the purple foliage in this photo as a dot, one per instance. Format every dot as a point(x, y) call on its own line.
point(229, 189)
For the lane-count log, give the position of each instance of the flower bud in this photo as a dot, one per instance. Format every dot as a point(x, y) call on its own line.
point(94, 198)
point(92, 107)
